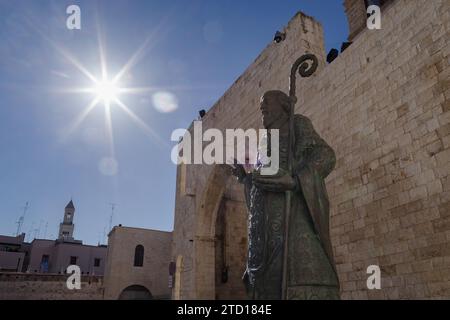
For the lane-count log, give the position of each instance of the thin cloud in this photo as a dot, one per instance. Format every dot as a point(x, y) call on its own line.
point(59, 74)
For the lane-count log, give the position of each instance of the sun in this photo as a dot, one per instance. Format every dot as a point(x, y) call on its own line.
point(106, 91)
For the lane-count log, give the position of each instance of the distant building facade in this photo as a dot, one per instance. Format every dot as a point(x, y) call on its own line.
point(135, 263)
point(137, 266)
point(13, 253)
point(52, 256)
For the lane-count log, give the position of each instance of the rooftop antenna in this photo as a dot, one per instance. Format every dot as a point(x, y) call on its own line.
point(29, 232)
point(45, 230)
point(39, 229)
point(21, 219)
point(113, 206)
point(104, 235)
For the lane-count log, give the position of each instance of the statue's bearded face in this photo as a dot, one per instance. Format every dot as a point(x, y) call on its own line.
point(272, 111)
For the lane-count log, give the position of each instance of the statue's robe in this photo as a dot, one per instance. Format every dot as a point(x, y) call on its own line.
point(311, 269)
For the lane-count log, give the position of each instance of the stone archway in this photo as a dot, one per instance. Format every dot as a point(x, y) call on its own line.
point(208, 238)
point(135, 292)
point(204, 240)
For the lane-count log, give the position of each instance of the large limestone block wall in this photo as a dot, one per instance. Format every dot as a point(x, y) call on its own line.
point(383, 105)
point(356, 17)
point(23, 286)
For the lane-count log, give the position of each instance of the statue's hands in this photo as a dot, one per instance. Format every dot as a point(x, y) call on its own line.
point(276, 183)
point(239, 172)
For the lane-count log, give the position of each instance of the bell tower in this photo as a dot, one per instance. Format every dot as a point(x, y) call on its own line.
point(66, 227)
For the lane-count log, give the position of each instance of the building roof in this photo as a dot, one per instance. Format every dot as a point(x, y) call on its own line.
point(70, 205)
point(121, 227)
point(15, 240)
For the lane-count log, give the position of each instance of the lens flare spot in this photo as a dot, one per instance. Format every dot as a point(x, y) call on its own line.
point(165, 102)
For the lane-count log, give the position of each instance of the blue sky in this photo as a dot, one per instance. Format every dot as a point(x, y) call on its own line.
point(192, 49)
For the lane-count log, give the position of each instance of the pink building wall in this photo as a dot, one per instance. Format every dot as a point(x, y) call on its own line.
point(39, 248)
point(11, 261)
point(60, 254)
point(12, 255)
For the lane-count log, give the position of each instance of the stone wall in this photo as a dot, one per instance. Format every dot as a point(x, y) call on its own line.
point(356, 16)
point(356, 12)
point(23, 286)
point(120, 272)
point(384, 106)
point(231, 248)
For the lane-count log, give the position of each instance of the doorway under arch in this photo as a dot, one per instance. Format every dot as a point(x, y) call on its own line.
point(220, 242)
point(135, 292)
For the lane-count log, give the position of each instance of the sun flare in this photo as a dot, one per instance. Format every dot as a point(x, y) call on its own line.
point(106, 91)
